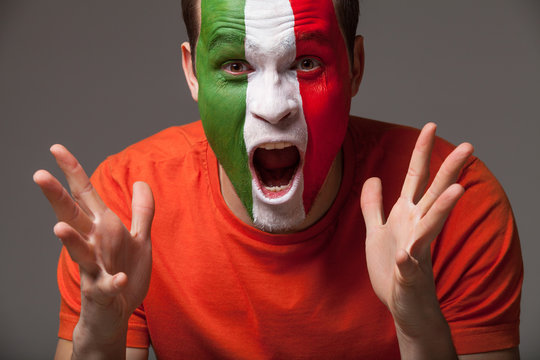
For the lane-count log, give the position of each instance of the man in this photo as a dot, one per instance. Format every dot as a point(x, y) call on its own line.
point(258, 245)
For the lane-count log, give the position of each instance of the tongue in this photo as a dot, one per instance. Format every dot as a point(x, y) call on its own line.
point(276, 167)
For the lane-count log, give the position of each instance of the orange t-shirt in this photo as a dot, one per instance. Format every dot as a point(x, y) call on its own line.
point(222, 289)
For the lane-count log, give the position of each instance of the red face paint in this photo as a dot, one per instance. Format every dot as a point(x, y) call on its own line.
point(326, 91)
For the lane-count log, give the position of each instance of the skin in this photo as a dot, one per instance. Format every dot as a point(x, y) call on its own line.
point(221, 94)
point(327, 93)
point(289, 81)
point(397, 248)
point(274, 106)
point(115, 264)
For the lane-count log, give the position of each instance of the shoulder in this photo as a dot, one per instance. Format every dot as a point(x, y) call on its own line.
point(169, 143)
point(384, 150)
point(478, 267)
point(166, 161)
point(476, 258)
point(392, 138)
point(159, 151)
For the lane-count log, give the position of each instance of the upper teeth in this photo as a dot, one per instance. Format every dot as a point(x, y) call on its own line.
point(275, 145)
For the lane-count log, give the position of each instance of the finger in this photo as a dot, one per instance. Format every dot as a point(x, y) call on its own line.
point(446, 176)
point(418, 172)
point(431, 224)
point(82, 190)
point(63, 205)
point(371, 201)
point(142, 208)
point(80, 250)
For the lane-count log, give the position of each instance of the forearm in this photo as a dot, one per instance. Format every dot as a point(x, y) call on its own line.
point(99, 336)
point(86, 347)
point(431, 339)
point(64, 351)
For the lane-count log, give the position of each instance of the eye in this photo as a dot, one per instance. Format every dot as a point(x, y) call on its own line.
point(237, 67)
point(307, 64)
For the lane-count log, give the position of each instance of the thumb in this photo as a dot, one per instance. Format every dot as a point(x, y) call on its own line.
point(142, 209)
point(371, 201)
point(407, 267)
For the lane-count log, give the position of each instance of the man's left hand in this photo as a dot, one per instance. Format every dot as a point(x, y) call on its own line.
point(398, 248)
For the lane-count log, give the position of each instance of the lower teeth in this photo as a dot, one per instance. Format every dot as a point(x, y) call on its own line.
point(276, 188)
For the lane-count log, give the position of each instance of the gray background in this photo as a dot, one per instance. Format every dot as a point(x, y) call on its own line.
point(99, 75)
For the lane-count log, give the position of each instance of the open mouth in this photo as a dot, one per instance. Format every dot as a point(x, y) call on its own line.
point(275, 166)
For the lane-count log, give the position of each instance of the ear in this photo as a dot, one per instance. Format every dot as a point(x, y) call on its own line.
point(358, 64)
point(187, 65)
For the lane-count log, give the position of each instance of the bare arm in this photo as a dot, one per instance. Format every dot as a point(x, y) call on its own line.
point(64, 350)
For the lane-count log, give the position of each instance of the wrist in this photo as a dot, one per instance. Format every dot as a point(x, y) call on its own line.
point(99, 342)
point(424, 319)
point(428, 338)
point(100, 333)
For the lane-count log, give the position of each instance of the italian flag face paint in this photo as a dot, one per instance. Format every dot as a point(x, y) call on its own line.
point(274, 97)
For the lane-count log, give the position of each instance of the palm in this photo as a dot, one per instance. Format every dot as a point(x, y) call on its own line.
point(116, 251)
point(382, 245)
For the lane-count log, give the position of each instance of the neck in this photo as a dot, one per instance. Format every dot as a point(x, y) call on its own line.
point(321, 204)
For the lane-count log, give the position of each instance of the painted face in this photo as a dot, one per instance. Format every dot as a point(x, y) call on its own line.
point(274, 98)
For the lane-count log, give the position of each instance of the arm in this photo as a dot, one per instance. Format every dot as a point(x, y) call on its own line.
point(64, 351)
point(114, 263)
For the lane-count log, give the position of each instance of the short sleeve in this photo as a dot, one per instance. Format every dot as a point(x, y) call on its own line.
point(478, 267)
point(68, 271)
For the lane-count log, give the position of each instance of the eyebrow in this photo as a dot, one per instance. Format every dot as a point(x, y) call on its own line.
point(227, 38)
point(317, 36)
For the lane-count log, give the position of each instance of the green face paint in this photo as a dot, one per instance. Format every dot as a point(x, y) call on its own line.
point(222, 95)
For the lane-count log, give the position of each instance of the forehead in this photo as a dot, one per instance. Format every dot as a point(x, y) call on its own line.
point(309, 17)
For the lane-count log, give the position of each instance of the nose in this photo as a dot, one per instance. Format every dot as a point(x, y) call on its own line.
point(273, 97)
point(273, 110)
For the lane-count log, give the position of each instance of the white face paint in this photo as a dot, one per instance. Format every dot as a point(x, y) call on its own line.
point(274, 115)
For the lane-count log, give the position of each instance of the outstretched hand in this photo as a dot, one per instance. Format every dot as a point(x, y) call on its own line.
point(398, 248)
point(115, 264)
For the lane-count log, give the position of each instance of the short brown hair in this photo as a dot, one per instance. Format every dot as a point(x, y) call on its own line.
point(192, 19)
point(347, 12)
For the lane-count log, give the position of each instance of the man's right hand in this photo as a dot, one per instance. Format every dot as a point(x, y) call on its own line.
point(115, 264)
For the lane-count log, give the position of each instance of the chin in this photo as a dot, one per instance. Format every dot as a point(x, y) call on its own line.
point(279, 215)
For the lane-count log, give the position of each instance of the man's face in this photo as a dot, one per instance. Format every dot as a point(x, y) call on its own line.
point(274, 97)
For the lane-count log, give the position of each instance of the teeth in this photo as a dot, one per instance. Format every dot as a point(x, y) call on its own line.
point(275, 145)
point(276, 188)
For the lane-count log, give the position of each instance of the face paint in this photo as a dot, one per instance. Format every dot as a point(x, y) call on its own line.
point(222, 94)
point(326, 91)
point(275, 109)
point(275, 130)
